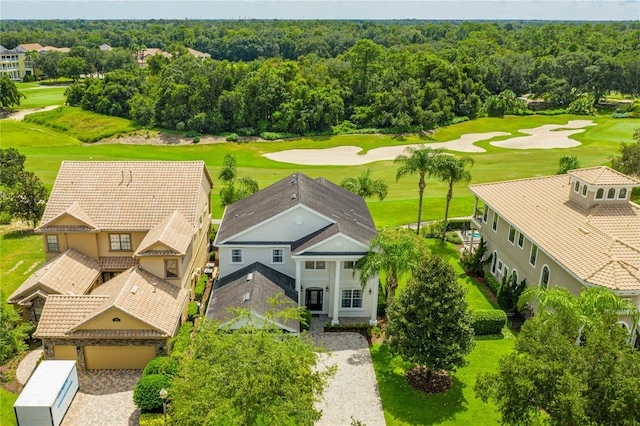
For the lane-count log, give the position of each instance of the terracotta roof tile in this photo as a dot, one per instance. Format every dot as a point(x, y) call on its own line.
point(127, 195)
point(602, 176)
point(62, 312)
point(600, 245)
point(116, 263)
point(173, 232)
point(70, 272)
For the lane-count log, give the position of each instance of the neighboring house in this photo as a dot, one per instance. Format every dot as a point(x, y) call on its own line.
point(12, 63)
point(300, 237)
point(576, 231)
point(125, 243)
point(105, 47)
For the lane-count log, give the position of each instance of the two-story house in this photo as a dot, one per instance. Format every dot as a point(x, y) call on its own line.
point(125, 243)
point(576, 230)
point(300, 237)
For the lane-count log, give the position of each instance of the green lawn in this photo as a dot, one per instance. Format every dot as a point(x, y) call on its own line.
point(7, 416)
point(37, 96)
point(46, 148)
point(21, 254)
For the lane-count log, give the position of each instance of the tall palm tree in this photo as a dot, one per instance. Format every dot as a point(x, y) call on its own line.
point(452, 170)
point(229, 194)
point(396, 252)
point(420, 161)
point(365, 186)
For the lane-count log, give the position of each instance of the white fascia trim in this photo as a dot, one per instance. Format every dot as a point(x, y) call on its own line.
point(333, 237)
point(215, 240)
point(261, 318)
point(329, 257)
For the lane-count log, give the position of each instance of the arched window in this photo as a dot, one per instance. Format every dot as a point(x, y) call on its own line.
point(623, 193)
point(494, 262)
point(584, 190)
point(577, 187)
point(611, 194)
point(544, 277)
point(514, 278)
point(600, 194)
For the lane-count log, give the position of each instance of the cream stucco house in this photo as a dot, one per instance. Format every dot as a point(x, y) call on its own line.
point(124, 242)
point(300, 237)
point(575, 230)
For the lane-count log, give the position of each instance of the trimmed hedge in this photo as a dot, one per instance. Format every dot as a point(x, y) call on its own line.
point(192, 310)
point(162, 365)
point(200, 286)
point(488, 321)
point(146, 394)
point(182, 341)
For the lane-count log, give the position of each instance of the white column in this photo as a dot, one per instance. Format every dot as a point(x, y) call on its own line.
point(475, 207)
point(336, 294)
point(373, 285)
point(299, 281)
point(473, 232)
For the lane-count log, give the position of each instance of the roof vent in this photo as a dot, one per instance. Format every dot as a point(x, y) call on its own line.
point(246, 296)
point(134, 289)
point(294, 196)
point(249, 276)
point(354, 219)
point(583, 230)
point(293, 180)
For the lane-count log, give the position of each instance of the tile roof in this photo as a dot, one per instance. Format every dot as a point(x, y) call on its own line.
point(75, 211)
point(600, 245)
point(116, 263)
point(602, 176)
point(174, 232)
point(69, 273)
point(61, 312)
point(127, 195)
point(31, 46)
point(143, 296)
point(257, 281)
point(347, 210)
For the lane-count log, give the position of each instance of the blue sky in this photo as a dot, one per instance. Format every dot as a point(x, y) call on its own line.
point(589, 10)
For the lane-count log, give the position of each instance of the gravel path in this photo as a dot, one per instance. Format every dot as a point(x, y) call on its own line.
point(27, 365)
point(19, 115)
point(353, 391)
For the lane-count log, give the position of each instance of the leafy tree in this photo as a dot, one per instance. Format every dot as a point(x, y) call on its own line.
point(9, 94)
point(396, 252)
point(429, 323)
point(49, 64)
point(566, 163)
point(13, 331)
point(255, 375)
point(572, 362)
point(11, 165)
point(582, 106)
point(452, 171)
point(73, 67)
point(365, 186)
point(228, 175)
point(510, 291)
point(27, 199)
point(628, 162)
point(421, 161)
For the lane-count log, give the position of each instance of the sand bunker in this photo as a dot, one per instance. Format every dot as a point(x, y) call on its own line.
point(547, 136)
point(543, 137)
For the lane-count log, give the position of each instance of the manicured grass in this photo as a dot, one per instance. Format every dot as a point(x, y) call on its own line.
point(21, 254)
point(83, 125)
point(40, 96)
point(403, 405)
point(7, 416)
point(46, 148)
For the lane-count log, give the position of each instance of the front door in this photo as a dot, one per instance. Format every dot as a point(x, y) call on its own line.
point(313, 298)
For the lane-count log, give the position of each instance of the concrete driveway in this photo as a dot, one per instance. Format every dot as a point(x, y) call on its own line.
point(353, 392)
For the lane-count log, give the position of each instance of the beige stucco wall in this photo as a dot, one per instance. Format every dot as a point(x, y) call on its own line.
point(105, 322)
point(104, 246)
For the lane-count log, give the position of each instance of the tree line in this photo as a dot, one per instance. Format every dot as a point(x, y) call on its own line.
point(307, 78)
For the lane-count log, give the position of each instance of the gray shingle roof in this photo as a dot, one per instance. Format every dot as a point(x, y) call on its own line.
point(348, 210)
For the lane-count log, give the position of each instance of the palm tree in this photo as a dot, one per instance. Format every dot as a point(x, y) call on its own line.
point(364, 186)
point(396, 252)
point(420, 161)
point(228, 175)
point(452, 170)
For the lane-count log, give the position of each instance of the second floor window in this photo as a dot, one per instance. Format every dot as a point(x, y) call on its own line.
point(520, 240)
point(277, 256)
point(494, 225)
point(534, 255)
point(314, 264)
point(237, 256)
point(52, 243)
point(512, 234)
point(120, 242)
point(171, 268)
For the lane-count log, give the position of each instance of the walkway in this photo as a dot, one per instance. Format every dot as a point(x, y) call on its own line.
point(353, 391)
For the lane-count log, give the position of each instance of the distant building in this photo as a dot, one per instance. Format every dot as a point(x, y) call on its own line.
point(105, 47)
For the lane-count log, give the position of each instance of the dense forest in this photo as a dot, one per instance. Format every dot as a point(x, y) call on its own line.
point(312, 77)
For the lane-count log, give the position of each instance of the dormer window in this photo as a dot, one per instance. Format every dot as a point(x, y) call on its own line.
point(611, 194)
point(600, 194)
point(584, 190)
point(576, 188)
point(622, 194)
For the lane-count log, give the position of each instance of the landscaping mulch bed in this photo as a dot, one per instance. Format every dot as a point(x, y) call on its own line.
point(439, 382)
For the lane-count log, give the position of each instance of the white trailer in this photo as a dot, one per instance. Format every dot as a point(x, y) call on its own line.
point(48, 394)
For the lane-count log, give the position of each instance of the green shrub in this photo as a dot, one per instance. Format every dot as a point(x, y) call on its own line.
point(200, 286)
point(269, 136)
point(306, 319)
point(182, 341)
point(146, 394)
point(510, 293)
point(212, 256)
point(473, 262)
point(247, 131)
point(196, 139)
point(5, 218)
point(162, 365)
point(488, 321)
point(582, 106)
point(232, 137)
point(192, 134)
point(453, 237)
point(192, 310)
point(153, 419)
point(493, 284)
